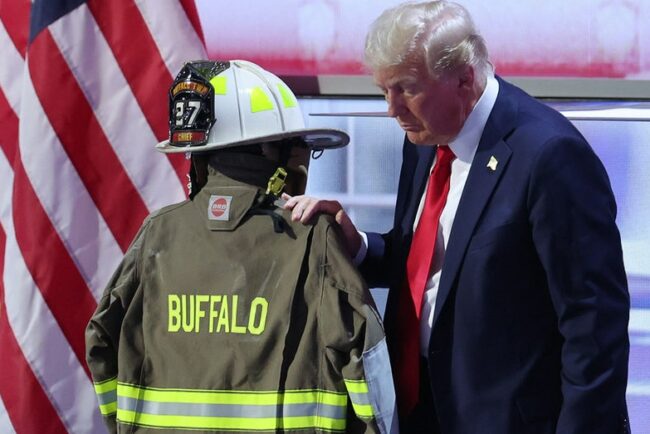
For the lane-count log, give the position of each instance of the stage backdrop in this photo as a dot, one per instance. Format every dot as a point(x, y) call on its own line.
point(549, 38)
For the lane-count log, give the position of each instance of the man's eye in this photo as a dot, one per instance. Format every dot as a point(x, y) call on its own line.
point(409, 91)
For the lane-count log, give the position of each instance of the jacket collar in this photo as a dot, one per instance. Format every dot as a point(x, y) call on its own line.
point(223, 201)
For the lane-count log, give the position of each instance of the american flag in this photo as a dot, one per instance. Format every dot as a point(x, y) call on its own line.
point(83, 100)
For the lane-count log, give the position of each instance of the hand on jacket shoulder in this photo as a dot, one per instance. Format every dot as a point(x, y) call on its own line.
point(305, 208)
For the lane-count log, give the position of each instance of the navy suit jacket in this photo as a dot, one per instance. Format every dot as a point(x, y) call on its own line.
point(530, 326)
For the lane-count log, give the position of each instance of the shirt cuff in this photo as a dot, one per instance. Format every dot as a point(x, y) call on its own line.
point(363, 249)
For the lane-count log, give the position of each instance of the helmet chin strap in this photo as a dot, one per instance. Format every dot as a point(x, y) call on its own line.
point(284, 155)
point(277, 182)
point(286, 176)
point(265, 203)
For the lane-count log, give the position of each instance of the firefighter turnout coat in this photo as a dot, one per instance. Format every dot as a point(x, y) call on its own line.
point(215, 322)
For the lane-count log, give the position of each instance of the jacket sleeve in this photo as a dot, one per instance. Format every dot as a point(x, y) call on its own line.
point(103, 331)
point(356, 345)
point(572, 214)
point(376, 266)
point(385, 259)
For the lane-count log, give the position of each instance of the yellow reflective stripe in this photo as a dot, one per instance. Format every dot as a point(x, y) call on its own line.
point(105, 386)
point(358, 390)
point(356, 386)
point(260, 101)
point(363, 410)
point(287, 96)
point(219, 83)
point(205, 409)
point(107, 396)
point(231, 397)
point(109, 408)
point(201, 422)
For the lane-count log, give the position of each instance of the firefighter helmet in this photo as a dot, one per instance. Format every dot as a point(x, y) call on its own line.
point(216, 105)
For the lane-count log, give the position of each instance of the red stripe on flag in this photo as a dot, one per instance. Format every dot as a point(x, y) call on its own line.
point(142, 65)
point(14, 15)
point(56, 275)
point(33, 415)
point(84, 140)
point(9, 130)
point(193, 17)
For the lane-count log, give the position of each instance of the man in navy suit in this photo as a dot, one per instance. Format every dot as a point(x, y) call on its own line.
point(523, 322)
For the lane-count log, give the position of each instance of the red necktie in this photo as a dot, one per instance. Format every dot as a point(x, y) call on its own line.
point(418, 265)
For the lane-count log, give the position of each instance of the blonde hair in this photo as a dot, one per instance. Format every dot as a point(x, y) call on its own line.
point(438, 34)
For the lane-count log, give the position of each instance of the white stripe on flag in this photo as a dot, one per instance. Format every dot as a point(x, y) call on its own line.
point(178, 46)
point(115, 107)
point(11, 69)
point(64, 197)
point(5, 422)
point(38, 333)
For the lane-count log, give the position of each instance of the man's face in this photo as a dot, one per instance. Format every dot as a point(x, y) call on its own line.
point(430, 111)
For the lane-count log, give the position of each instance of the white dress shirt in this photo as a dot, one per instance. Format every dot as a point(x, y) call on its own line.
point(464, 147)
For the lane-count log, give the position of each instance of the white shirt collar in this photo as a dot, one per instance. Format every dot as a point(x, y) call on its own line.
point(465, 144)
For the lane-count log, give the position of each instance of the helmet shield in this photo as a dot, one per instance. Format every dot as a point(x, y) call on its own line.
point(191, 103)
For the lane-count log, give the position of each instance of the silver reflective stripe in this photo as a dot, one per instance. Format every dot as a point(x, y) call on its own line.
point(107, 397)
point(381, 390)
point(359, 398)
point(230, 410)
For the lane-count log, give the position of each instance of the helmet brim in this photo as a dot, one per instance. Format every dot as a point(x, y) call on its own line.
point(315, 138)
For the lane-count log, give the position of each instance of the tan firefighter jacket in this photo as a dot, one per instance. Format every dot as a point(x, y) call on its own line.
point(215, 322)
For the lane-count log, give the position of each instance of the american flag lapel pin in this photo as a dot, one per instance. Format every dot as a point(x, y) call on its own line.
point(492, 164)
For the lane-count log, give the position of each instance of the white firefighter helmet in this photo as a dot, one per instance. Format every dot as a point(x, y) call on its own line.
point(215, 105)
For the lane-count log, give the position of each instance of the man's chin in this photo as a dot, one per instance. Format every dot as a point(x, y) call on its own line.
point(420, 139)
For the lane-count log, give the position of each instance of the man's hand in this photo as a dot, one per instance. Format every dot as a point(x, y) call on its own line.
point(305, 208)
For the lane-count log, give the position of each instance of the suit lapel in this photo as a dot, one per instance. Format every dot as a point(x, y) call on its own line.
point(490, 162)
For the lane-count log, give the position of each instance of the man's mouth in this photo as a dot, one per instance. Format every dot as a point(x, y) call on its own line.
point(410, 127)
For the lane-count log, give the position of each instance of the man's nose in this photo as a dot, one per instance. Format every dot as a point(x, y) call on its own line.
point(395, 104)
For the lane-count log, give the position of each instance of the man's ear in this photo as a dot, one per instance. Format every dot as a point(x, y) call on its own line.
point(466, 77)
